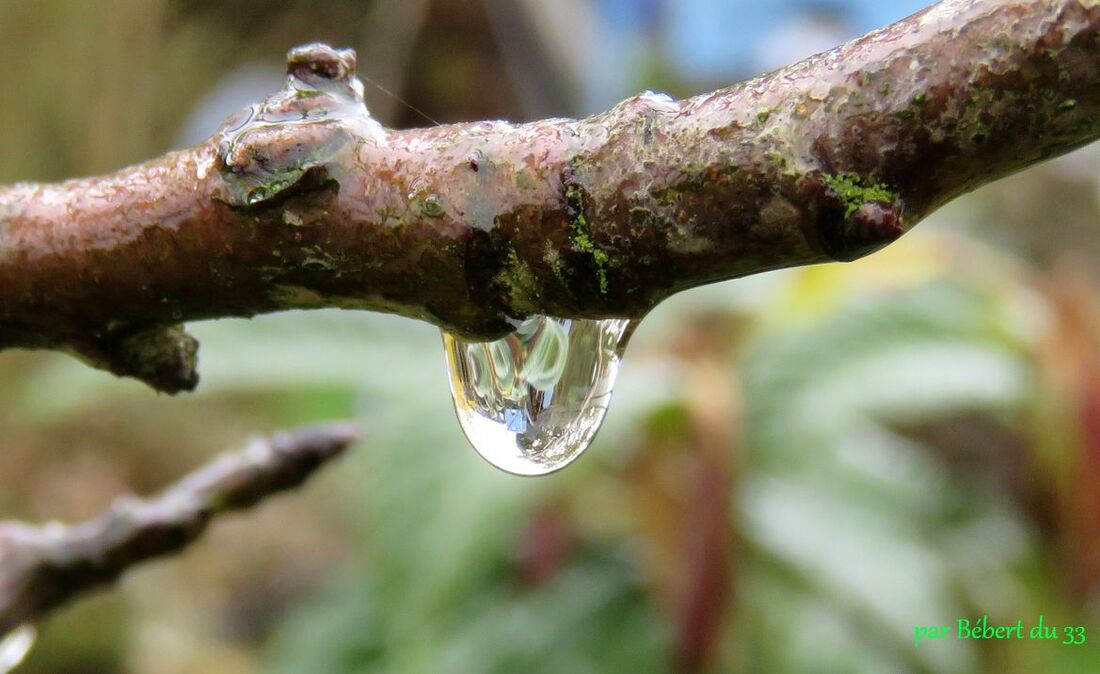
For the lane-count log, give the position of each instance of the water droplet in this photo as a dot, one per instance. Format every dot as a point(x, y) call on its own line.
point(660, 102)
point(268, 147)
point(15, 645)
point(531, 402)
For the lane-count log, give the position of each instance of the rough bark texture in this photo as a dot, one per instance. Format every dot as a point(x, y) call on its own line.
point(305, 201)
point(42, 567)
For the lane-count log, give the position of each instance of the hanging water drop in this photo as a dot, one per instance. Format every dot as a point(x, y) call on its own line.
point(15, 645)
point(531, 402)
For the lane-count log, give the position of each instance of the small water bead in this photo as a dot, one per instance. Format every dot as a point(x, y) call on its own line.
point(531, 402)
point(15, 645)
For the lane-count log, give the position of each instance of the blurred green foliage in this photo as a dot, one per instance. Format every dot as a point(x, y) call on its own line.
point(798, 468)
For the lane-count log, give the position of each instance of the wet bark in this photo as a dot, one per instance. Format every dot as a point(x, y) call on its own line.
point(304, 200)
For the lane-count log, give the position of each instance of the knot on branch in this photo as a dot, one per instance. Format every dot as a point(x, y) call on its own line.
point(310, 126)
point(164, 357)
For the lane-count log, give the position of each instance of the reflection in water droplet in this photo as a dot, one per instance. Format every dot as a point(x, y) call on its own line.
point(15, 645)
point(531, 402)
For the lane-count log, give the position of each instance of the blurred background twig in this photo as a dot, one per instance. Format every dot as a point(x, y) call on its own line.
point(42, 567)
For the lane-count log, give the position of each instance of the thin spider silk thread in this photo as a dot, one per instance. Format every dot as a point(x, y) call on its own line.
point(397, 98)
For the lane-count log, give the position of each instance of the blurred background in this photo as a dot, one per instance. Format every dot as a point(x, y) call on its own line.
point(798, 467)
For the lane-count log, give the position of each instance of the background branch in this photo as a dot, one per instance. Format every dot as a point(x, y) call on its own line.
point(42, 567)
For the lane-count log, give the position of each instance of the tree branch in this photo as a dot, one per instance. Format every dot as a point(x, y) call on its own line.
point(42, 567)
point(305, 201)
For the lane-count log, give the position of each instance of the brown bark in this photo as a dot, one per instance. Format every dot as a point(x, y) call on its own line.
point(42, 567)
point(313, 204)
